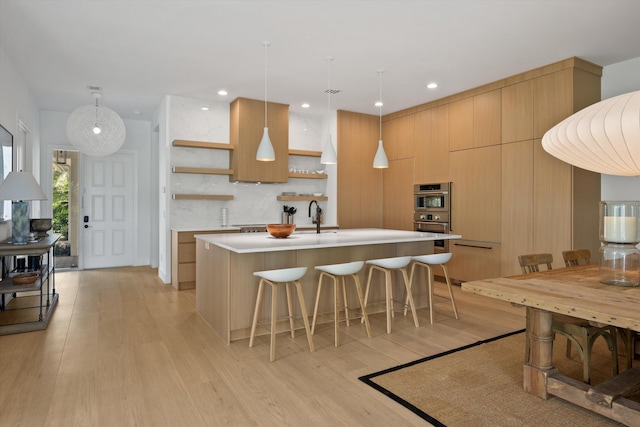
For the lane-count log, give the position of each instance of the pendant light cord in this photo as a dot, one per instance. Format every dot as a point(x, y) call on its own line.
point(380, 100)
point(266, 46)
point(329, 59)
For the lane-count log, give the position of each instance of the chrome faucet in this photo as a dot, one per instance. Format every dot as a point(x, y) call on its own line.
point(317, 217)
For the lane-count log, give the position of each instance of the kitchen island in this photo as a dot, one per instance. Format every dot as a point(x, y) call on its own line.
point(226, 288)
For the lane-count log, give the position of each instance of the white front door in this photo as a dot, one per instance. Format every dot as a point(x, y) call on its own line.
point(108, 211)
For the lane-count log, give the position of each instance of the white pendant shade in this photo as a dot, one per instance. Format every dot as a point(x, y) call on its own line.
point(603, 137)
point(380, 160)
point(329, 153)
point(265, 151)
point(95, 130)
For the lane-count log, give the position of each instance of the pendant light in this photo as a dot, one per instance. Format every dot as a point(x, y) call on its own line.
point(329, 153)
point(265, 151)
point(380, 160)
point(95, 130)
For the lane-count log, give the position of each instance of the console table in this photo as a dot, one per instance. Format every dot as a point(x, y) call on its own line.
point(28, 307)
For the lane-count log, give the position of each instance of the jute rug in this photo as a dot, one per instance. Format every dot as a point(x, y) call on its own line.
point(481, 385)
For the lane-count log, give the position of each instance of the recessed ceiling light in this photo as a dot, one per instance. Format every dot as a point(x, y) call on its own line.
point(378, 104)
point(305, 105)
point(204, 108)
point(223, 92)
point(137, 113)
point(432, 85)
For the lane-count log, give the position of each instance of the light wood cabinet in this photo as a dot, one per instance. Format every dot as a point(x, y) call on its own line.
point(475, 193)
point(183, 257)
point(461, 124)
point(246, 130)
point(473, 260)
point(517, 112)
point(397, 207)
point(431, 149)
point(360, 190)
point(398, 136)
point(517, 230)
point(486, 119)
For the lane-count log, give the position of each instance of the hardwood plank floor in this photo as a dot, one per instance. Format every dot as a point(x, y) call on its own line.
point(124, 349)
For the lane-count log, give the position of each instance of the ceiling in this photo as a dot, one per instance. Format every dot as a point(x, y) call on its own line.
point(138, 51)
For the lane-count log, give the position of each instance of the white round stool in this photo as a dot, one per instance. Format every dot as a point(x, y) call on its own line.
point(387, 265)
point(428, 261)
point(339, 273)
point(276, 278)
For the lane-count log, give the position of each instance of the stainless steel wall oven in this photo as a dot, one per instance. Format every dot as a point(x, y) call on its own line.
point(432, 211)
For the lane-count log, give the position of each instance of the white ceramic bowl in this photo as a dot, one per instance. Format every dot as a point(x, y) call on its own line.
point(317, 194)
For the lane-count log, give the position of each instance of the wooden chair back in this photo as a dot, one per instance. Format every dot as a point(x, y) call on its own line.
point(576, 257)
point(530, 262)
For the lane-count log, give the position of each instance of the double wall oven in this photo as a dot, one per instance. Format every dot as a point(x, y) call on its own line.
point(432, 211)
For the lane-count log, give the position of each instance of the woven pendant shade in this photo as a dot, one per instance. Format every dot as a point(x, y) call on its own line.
point(604, 137)
point(95, 130)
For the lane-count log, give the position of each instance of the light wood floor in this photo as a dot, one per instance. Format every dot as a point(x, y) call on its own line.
point(123, 349)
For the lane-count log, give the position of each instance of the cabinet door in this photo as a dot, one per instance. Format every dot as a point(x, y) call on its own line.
point(517, 112)
point(397, 195)
point(476, 195)
point(486, 119)
point(360, 189)
point(552, 100)
point(461, 124)
point(517, 204)
point(398, 136)
point(432, 145)
point(472, 260)
point(551, 204)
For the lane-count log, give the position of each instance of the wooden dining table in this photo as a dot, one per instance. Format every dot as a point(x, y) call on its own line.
point(574, 291)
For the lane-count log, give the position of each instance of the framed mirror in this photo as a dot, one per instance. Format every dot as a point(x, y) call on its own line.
point(6, 166)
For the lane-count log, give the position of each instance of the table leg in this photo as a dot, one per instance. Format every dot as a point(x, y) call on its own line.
point(541, 350)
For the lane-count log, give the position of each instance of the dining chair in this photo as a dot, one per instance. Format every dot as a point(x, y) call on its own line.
point(576, 257)
point(570, 327)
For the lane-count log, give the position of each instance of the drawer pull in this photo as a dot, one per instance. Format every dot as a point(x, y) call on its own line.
point(473, 246)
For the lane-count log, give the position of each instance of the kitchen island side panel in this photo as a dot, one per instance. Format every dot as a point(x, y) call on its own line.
point(212, 297)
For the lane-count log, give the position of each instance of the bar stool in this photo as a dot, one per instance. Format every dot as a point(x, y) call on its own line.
point(386, 266)
point(276, 278)
point(428, 261)
point(339, 273)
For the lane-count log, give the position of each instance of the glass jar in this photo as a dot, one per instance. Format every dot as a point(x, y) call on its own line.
point(619, 235)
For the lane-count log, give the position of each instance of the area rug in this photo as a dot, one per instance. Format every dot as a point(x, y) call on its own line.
point(481, 385)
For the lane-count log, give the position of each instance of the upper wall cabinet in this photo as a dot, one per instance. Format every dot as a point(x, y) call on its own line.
point(247, 124)
point(398, 136)
point(432, 145)
point(474, 122)
point(486, 119)
point(517, 112)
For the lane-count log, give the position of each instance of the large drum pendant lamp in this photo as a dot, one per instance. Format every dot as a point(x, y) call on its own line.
point(604, 137)
point(95, 130)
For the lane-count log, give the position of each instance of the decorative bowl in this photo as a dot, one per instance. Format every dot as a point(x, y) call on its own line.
point(41, 225)
point(317, 194)
point(25, 278)
point(281, 231)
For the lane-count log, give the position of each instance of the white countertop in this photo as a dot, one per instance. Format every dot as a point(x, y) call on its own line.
point(264, 242)
point(235, 228)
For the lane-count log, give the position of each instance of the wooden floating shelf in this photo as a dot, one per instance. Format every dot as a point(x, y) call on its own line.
point(302, 198)
point(307, 153)
point(308, 175)
point(208, 171)
point(202, 144)
point(202, 197)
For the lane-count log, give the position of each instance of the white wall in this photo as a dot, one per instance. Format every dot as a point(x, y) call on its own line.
point(617, 79)
point(138, 139)
point(17, 107)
